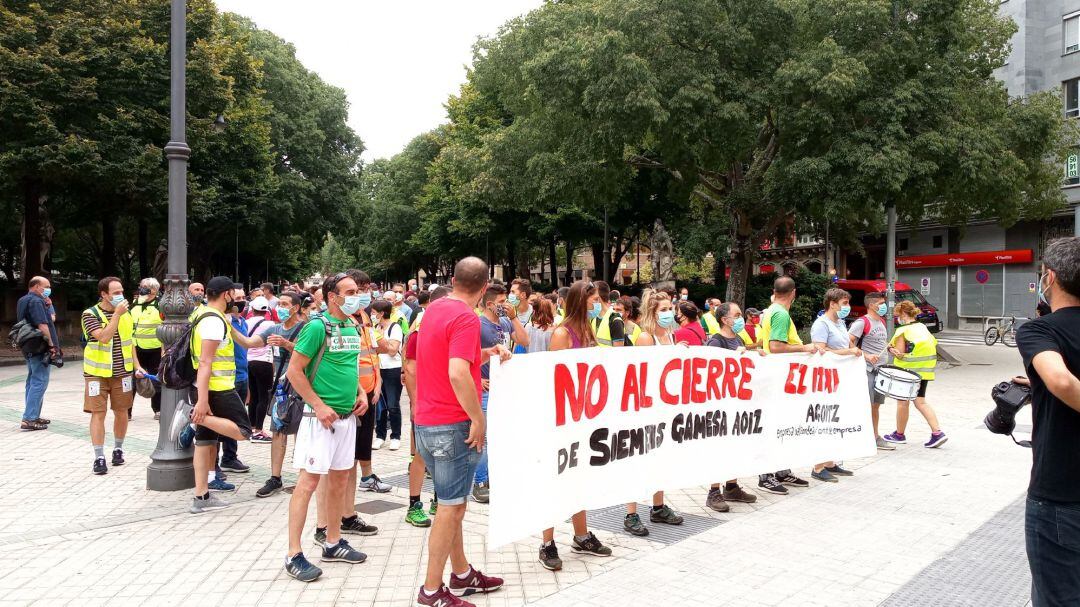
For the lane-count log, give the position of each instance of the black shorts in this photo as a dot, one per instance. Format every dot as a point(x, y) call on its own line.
point(365, 431)
point(226, 405)
point(922, 388)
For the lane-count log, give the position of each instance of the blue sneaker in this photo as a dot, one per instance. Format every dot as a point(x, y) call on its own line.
point(936, 440)
point(343, 552)
point(187, 437)
point(219, 485)
point(300, 568)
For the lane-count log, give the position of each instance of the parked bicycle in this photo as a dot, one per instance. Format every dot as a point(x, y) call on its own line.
point(1004, 330)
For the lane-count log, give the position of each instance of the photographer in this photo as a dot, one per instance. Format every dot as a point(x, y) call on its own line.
point(1050, 347)
point(38, 351)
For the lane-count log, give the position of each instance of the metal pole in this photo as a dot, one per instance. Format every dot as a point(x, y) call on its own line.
point(1076, 220)
point(170, 468)
point(828, 253)
point(607, 251)
point(890, 268)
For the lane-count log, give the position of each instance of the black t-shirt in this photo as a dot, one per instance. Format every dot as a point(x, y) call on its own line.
point(1055, 470)
point(727, 343)
point(618, 330)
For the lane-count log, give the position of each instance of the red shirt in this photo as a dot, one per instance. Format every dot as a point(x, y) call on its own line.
point(410, 344)
point(451, 330)
point(692, 334)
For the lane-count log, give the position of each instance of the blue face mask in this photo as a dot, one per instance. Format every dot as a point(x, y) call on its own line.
point(513, 300)
point(351, 305)
point(322, 307)
point(843, 312)
point(116, 300)
point(882, 309)
point(594, 311)
point(738, 325)
point(666, 319)
point(707, 306)
point(46, 292)
point(365, 300)
point(283, 314)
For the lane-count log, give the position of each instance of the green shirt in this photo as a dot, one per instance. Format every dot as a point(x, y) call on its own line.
point(779, 323)
point(337, 381)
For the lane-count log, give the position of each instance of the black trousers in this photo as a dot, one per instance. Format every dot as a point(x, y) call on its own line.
point(151, 360)
point(260, 382)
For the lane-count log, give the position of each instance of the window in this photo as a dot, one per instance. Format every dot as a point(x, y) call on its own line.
point(1072, 168)
point(1072, 98)
point(1071, 33)
point(902, 244)
point(938, 241)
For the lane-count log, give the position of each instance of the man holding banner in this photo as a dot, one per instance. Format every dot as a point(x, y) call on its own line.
point(450, 428)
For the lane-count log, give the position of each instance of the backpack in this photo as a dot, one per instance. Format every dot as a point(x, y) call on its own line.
point(288, 407)
point(176, 370)
point(27, 338)
point(866, 331)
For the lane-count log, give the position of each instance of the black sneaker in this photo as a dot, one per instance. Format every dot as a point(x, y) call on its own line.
point(118, 457)
point(549, 557)
point(320, 536)
point(790, 479)
point(632, 523)
point(665, 515)
point(272, 486)
point(770, 483)
point(355, 525)
point(235, 466)
point(100, 467)
point(839, 470)
point(590, 545)
point(302, 569)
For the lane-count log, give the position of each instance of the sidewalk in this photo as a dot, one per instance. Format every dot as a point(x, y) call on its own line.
point(74, 538)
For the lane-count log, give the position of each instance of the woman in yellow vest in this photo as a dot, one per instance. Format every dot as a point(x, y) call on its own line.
point(147, 318)
point(108, 363)
point(914, 349)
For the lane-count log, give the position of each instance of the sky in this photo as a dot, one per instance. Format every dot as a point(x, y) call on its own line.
point(397, 60)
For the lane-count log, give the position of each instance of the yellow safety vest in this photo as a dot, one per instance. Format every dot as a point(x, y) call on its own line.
point(766, 328)
point(147, 320)
point(923, 358)
point(97, 356)
point(710, 324)
point(603, 329)
point(746, 339)
point(633, 335)
point(397, 317)
point(223, 367)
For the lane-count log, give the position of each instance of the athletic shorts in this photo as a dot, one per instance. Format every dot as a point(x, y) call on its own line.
point(922, 388)
point(319, 450)
point(227, 405)
point(450, 461)
point(99, 392)
point(876, 398)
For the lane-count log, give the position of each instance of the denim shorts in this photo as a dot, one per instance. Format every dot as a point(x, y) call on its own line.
point(450, 461)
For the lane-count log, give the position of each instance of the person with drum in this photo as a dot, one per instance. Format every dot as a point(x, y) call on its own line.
point(869, 334)
point(830, 332)
point(914, 349)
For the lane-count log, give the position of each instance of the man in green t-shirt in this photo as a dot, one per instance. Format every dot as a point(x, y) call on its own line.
point(323, 371)
point(779, 336)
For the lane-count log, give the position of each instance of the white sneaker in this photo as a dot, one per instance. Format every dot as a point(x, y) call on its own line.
point(377, 444)
point(395, 444)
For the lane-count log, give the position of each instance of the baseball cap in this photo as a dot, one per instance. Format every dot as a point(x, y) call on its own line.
point(432, 286)
point(753, 311)
point(260, 303)
point(219, 285)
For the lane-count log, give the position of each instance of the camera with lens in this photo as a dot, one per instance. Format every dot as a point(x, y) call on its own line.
point(1009, 397)
point(57, 360)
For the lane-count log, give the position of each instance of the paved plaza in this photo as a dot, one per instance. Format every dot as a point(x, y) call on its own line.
point(912, 527)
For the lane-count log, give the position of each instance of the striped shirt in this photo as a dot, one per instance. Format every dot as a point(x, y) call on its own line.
point(91, 322)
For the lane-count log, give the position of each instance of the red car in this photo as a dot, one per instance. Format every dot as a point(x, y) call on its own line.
point(859, 288)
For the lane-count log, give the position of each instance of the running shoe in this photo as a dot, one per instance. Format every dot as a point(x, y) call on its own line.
point(825, 476)
point(100, 467)
point(884, 445)
point(354, 525)
point(300, 568)
point(442, 598)
point(181, 419)
point(481, 492)
point(839, 470)
point(235, 465)
point(261, 437)
point(936, 440)
point(219, 484)
point(549, 557)
point(790, 479)
point(187, 437)
point(372, 483)
point(715, 500)
point(118, 457)
point(769, 483)
point(272, 486)
point(474, 582)
point(320, 536)
point(896, 438)
point(377, 444)
point(633, 525)
point(416, 517)
point(665, 515)
point(198, 506)
point(342, 552)
point(590, 545)
point(395, 444)
point(434, 507)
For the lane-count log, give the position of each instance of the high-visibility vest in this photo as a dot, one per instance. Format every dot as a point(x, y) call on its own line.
point(709, 323)
point(367, 363)
point(633, 335)
point(397, 317)
point(603, 329)
point(766, 328)
point(97, 356)
point(223, 366)
point(923, 358)
point(147, 319)
point(746, 339)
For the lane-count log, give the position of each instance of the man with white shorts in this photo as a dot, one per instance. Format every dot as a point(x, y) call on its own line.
point(323, 371)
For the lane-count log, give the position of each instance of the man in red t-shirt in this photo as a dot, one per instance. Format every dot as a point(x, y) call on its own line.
point(447, 415)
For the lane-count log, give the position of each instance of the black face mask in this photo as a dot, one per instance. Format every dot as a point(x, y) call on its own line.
point(144, 291)
point(239, 306)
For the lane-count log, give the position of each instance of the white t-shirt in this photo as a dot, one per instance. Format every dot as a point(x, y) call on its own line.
point(392, 333)
point(214, 329)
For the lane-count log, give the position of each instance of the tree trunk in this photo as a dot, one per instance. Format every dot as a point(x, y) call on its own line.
point(511, 262)
point(598, 261)
point(524, 267)
point(108, 247)
point(742, 259)
point(144, 244)
point(553, 260)
point(33, 199)
point(569, 275)
point(719, 265)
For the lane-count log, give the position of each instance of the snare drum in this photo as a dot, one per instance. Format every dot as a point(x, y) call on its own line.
point(897, 383)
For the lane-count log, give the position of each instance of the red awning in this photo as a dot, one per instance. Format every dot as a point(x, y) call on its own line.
point(965, 259)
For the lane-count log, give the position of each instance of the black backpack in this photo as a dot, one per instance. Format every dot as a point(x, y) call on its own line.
point(288, 406)
point(176, 370)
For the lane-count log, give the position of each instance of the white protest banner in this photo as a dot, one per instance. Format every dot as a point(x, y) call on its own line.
point(590, 428)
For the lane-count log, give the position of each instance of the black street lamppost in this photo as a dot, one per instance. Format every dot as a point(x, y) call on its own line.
point(171, 467)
